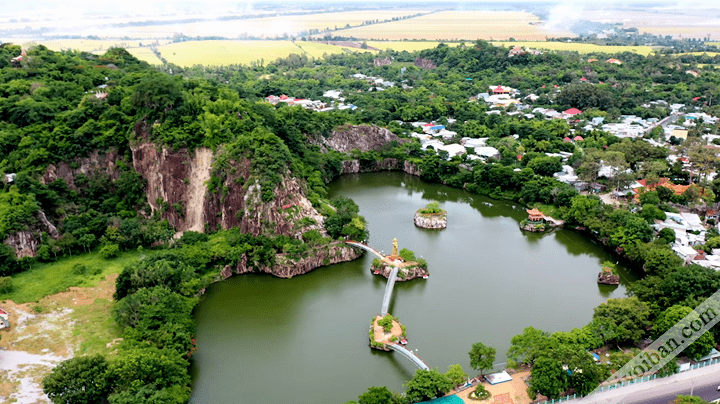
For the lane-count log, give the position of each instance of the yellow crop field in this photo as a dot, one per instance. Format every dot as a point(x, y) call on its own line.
point(267, 27)
point(239, 52)
point(711, 54)
point(145, 54)
point(459, 25)
point(577, 47)
point(407, 46)
point(317, 50)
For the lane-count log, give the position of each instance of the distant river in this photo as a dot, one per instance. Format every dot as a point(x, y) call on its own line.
point(264, 340)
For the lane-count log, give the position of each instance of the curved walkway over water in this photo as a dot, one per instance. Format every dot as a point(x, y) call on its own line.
point(388, 291)
point(366, 248)
point(386, 304)
point(410, 355)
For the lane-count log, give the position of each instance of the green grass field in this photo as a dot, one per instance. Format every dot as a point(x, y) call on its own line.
point(87, 45)
point(711, 54)
point(576, 47)
point(48, 278)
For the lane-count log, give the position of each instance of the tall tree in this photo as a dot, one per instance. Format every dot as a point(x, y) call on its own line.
point(481, 357)
point(427, 385)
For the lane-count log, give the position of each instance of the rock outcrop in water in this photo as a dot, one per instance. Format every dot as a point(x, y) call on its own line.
point(287, 267)
point(431, 221)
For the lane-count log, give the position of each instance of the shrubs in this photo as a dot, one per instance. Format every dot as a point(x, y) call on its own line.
point(109, 251)
point(480, 393)
point(6, 284)
point(432, 208)
point(386, 323)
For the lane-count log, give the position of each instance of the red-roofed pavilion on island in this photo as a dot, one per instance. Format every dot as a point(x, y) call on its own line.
point(535, 215)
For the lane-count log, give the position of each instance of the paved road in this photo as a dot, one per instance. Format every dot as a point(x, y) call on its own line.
point(703, 382)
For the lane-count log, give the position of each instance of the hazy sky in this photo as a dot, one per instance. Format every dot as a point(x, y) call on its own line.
point(154, 7)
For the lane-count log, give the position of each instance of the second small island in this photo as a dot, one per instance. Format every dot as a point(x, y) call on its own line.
point(431, 217)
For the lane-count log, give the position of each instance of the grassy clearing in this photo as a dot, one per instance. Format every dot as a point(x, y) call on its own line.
point(53, 277)
point(576, 47)
point(459, 25)
point(145, 54)
point(408, 46)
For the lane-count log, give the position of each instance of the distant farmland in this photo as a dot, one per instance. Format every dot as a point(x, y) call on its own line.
point(145, 54)
point(577, 47)
point(267, 27)
point(458, 25)
point(407, 46)
point(219, 53)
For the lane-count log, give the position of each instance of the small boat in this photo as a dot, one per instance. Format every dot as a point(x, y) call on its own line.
point(425, 276)
point(403, 341)
point(376, 272)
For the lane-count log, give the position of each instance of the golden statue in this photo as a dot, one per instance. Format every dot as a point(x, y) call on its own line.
point(395, 250)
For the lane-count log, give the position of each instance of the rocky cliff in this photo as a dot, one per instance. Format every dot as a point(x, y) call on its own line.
point(25, 243)
point(362, 137)
point(287, 267)
point(404, 274)
point(388, 164)
point(95, 164)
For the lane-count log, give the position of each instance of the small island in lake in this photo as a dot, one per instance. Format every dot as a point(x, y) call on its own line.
point(608, 274)
point(431, 217)
point(409, 267)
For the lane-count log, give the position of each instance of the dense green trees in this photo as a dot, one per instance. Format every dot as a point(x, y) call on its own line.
point(427, 385)
point(80, 380)
point(622, 320)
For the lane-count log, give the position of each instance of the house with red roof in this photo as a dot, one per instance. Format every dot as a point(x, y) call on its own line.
point(614, 61)
point(572, 111)
point(583, 79)
point(567, 139)
point(578, 138)
point(501, 89)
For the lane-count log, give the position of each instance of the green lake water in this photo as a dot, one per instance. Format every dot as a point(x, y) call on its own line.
point(305, 340)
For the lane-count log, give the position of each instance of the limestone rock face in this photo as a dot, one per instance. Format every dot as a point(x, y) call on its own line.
point(287, 267)
point(388, 164)
point(404, 274)
point(430, 221)
point(24, 243)
point(362, 137)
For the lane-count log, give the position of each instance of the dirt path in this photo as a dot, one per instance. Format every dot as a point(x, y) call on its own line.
point(44, 333)
point(200, 167)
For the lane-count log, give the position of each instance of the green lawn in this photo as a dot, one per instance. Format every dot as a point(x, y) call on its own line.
point(52, 277)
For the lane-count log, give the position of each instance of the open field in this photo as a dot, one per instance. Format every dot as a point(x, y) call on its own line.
point(145, 54)
point(407, 46)
point(317, 50)
point(458, 25)
point(56, 314)
point(240, 52)
point(53, 277)
point(711, 54)
point(577, 47)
